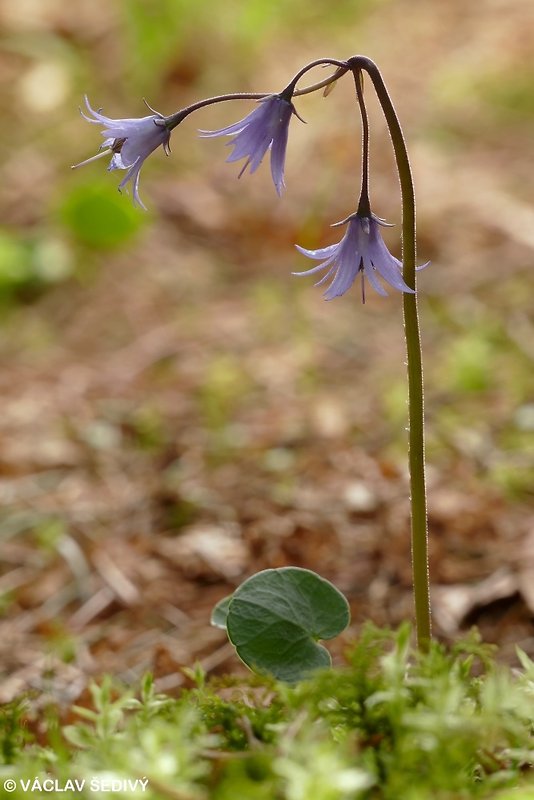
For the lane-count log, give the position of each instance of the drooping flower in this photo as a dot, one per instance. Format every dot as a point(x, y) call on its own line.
point(267, 127)
point(130, 141)
point(361, 250)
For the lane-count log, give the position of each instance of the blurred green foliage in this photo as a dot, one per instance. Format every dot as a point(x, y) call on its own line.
point(98, 217)
point(169, 31)
point(508, 94)
point(31, 264)
point(155, 32)
point(226, 385)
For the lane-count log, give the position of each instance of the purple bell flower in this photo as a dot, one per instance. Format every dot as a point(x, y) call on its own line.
point(130, 141)
point(265, 128)
point(361, 250)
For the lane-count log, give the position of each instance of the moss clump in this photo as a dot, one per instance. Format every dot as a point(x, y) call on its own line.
point(391, 724)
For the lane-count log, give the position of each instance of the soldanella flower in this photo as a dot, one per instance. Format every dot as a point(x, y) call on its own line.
point(361, 250)
point(267, 127)
point(130, 142)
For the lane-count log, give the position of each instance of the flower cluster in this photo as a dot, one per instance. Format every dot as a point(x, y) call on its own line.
point(360, 251)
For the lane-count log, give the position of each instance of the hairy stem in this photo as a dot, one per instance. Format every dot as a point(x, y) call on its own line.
point(320, 62)
point(321, 84)
point(173, 120)
point(419, 523)
point(364, 206)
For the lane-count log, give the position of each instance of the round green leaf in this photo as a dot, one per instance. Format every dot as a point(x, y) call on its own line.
point(275, 618)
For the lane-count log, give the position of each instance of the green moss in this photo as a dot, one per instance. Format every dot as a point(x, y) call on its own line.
point(392, 724)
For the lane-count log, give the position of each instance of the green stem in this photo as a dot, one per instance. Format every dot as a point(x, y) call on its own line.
point(364, 205)
point(419, 523)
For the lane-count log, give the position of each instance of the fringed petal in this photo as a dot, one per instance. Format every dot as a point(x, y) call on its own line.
point(362, 249)
point(267, 127)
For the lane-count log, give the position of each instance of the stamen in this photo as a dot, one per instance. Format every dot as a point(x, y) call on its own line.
point(105, 152)
point(244, 168)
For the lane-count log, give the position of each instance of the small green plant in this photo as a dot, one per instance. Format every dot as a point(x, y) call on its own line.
point(276, 618)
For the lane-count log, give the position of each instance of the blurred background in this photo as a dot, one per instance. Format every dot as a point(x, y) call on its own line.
point(177, 410)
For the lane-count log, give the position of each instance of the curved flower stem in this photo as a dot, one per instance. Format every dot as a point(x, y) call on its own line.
point(364, 206)
point(419, 523)
point(342, 67)
point(173, 120)
point(321, 84)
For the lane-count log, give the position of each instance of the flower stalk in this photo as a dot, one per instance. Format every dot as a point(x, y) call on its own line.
point(173, 120)
point(364, 205)
point(416, 456)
